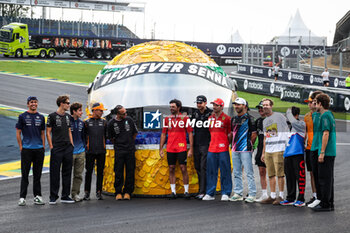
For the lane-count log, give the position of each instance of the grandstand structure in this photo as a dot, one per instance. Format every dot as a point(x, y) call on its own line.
point(342, 32)
point(51, 27)
point(71, 28)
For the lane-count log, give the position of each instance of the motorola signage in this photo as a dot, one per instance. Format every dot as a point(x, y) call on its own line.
point(291, 92)
point(290, 76)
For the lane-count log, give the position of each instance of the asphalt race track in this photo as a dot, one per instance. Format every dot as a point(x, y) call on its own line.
point(156, 214)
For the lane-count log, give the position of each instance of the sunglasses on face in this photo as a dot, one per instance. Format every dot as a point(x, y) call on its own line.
point(67, 103)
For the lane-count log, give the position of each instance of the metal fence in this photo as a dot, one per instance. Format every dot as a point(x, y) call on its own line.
point(70, 28)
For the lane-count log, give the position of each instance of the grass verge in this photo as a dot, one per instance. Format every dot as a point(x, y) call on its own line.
point(84, 73)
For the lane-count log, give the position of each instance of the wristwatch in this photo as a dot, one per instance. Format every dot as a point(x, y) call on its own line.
point(322, 152)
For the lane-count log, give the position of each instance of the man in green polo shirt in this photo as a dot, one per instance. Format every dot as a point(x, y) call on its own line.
point(347, 81)
point(326, 154)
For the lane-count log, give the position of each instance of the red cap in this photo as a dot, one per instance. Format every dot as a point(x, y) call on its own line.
point(218, 101)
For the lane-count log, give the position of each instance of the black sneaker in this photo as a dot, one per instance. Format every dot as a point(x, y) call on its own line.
point(311, 200)
point(86, 196)
point(67, 200)
point(187, 196)
point(173, 196)
point(99, 196)
point(53, 201)
point(320, 208)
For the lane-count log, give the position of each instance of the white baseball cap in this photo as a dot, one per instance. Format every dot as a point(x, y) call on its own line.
point(240, 101)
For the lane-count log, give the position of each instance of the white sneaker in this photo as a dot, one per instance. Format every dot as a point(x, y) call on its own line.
point(236, 197)
point(224, 197)
point(22, 202)
point(250, 199)
point(208, 198)
point(76, 198)
point(38, 200)
point(314, 203)
point(261, 198)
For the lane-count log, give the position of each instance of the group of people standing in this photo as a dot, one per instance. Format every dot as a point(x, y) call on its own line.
point(279, 140)
point(283, 144)
point(74, 144)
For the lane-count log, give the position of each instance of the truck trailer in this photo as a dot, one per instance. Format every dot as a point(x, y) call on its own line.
point(15, 41)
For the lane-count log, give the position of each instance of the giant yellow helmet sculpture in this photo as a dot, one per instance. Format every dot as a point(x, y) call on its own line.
point(144, 79)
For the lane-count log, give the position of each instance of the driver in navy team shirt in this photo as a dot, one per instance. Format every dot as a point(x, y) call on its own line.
point(31, 125)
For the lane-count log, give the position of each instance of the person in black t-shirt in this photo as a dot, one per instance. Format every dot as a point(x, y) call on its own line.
point(122, 131)
point(259, 150)
point(96, 135)
point(31, 125)
point(61, 145)
point(201, 138)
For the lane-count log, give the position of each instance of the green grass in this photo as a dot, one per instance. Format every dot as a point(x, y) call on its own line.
point(84, 73)
point(282, 106)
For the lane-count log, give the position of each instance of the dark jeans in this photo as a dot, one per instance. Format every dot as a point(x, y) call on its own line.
point(127, 159)
point(61, 157)
point(294, 169)
point(29, 156)
point(200, 163)
point(314, 167)
point(89, 165)
point(326, 181)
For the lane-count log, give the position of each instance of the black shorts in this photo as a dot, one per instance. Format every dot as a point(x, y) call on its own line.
point(276, 75)
point(180, 156)
point(258, 161)
point(325, 82)
point(308, 160)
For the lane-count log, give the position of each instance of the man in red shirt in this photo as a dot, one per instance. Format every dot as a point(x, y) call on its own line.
point(176, 127)
point(218, 153)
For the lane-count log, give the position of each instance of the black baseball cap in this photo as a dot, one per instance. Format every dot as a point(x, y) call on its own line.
point(201, 98)
point(31, 98)
point(260, 105)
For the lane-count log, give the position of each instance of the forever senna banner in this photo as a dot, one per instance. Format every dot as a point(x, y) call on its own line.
point(112, 74)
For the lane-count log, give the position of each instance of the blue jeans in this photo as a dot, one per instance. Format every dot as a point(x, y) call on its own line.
point(245, 159)
point(214, 162)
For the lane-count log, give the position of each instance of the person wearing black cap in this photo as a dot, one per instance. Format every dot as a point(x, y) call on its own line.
point(31, 125)
point(96, 135)
point(201, 137)
point(61, 145)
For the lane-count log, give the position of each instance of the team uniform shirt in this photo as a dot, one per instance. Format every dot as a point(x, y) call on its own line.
point(176, 127)
point(219, 129)
point(327, 122)
point(260, 131)
point(296, 141)
point(242, 129)
point(201, 135)
point(60, 125)
point(276, 69)
point(276, 132)
point(122, 132)
point(96, 134)
point(316, 123)
point(31, 125)
point(309, 129)
point(78, 133)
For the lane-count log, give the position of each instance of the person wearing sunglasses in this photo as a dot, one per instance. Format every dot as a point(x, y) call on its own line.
point(309, 137)
point(60, 140)
point(96, 135)
point(122, 131)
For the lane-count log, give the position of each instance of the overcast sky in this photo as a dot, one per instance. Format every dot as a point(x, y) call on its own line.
point(257, 21)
